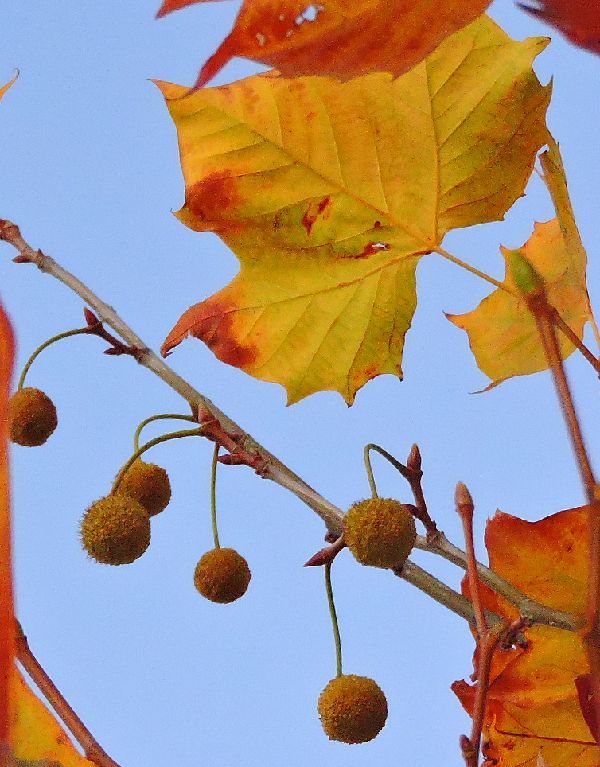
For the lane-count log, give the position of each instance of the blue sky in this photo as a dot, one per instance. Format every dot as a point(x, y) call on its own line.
point(89, 169)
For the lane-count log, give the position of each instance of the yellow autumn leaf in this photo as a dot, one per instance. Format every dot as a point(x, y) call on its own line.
point(37, 736)
point(502, 332)
point(329, 193)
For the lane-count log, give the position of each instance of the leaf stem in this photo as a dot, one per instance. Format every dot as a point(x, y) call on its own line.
point(213, 495)
point(92, 749)
point(159, 417)
point(574, 339)
point(544, 318)
point(334, 619)
point(67, 334)
point(473, 270)
point(151, 443)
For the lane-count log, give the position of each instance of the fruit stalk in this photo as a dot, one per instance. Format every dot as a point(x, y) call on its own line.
point(67, 334)
point(334, 620)
point(279, 473)
point(159, 417)
point(151, 443)
point(213, 495)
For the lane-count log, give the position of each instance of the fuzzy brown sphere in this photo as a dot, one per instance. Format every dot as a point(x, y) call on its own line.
point(222, 575)
point(353, 709)
point(31, 417)
point(115, 530)
point(148, 484)
point(380, 532)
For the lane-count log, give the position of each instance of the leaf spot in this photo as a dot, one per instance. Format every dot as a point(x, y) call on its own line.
point(371, 248)
point(260, 38)
point(214, 195)
point(310, 217)
point(310, 13)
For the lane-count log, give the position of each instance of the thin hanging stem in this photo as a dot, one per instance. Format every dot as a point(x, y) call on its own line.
point(413, 474)
point(334, 620)
point(147, 446)
point(369, 468)
point(159, 417)
point(389, 457)
point(45, 345)
point(213, 495)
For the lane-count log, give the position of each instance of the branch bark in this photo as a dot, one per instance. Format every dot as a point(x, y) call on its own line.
point(278, 472)
point(92, 749)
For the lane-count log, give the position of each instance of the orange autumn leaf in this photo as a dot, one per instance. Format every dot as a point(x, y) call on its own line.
point(342, 38)
point(329, 193)
point(502, 331)
point(533, 706)
point(579, 20)
point(174, 5)
point(4, 88)
point(6, 591)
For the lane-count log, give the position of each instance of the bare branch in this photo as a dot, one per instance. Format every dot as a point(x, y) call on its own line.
point(243, 445)
point(92, 749)
point(528, 608)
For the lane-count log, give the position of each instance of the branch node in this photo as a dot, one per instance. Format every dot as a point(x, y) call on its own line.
point(326, 555)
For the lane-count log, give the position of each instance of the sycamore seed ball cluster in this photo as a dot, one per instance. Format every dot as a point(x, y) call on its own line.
point(353, 709)
point(380, 532)
point(148, 484)
point(222, 575)
point(32, 417)
point(115, 530)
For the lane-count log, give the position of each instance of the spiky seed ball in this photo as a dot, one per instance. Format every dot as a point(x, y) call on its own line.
point(353, 709)
point(380, 532)
point(222, 575)
point(31, 417)
point(115, 530)
point(148, 484)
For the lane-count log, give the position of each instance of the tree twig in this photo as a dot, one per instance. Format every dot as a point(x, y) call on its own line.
point(92, 749)
point(278, 472)
point(465, 509)
point(486, 640)
point(527, 607)
point(440, 592)
point(544, 318)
